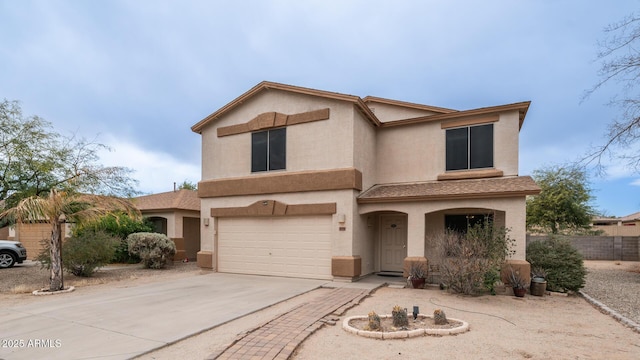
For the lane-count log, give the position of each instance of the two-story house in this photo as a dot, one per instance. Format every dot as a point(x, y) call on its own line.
point(307, 183)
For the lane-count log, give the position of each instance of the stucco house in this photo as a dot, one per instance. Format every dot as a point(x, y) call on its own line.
point(307, 183)
point(623, 226)
point(177, 215)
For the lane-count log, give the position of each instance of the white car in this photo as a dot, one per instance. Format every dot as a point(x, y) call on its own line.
point(11, 252)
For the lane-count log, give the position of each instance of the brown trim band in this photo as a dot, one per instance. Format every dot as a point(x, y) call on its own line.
point(471, 174)
point(275, 208)
point(282, 182)
point(468, 122)
point(273, 119)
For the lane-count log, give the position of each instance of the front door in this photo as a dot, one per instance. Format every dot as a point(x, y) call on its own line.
point(393, 238)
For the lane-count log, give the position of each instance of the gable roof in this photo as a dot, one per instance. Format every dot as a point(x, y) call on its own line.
point(449, 190)
point(442, 114)
point(172, 200)
point(267, 85)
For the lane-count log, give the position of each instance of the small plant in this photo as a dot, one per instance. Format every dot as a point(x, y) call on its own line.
point(155, 250)
point(491, 277)
point(374, 322)
point(400, 318)
point(439, 317)
point(417, 270)
point(516, 280)
point(538, 273)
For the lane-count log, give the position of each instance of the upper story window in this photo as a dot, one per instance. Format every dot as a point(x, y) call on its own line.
point(470, 147)
point(269, 150)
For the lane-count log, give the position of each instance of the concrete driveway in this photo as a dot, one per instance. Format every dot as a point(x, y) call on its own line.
point(120, 323)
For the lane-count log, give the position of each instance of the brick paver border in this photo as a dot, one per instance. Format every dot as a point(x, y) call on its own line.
point(278, 338)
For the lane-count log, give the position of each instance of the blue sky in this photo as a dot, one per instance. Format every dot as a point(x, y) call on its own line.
point(138, 74)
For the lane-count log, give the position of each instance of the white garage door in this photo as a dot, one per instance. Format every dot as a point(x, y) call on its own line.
point(282, 246)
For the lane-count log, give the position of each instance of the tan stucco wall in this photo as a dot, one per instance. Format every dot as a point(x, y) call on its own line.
point(364, 155)
point(417, 152)
point(324, 144)
point(418, 225)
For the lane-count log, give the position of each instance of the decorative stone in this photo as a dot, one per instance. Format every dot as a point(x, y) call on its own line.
point(403, 334)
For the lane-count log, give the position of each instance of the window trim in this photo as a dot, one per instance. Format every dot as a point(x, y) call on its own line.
point(268, 153)
point(468, 148)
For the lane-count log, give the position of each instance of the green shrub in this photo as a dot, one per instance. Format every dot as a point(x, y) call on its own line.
point(560, 260)
point(155, 250)
point(82, 255)
point(122, 254)
point(119, 225)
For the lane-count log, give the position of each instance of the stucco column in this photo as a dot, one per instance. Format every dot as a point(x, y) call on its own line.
point(415, 234)
point(515, 222)
point(208, 235)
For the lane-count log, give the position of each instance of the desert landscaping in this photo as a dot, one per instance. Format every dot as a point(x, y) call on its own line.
point(501, 327)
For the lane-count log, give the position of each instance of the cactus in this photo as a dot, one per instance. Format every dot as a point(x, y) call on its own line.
point(439, 317)
point(374, 322)
point(399, 317)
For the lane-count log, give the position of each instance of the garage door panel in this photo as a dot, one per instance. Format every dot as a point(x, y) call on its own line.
point(281, 246)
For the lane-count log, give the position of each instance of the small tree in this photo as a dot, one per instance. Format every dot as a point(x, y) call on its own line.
point(188, 185)
point(58, 208)
point(620, 64)
point(563, 203)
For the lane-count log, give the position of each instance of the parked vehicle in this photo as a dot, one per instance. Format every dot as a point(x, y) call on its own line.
point(11, 252)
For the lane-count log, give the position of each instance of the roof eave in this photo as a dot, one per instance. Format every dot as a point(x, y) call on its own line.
point(436, 109)
point(522, 108)
point(492, 195)
point(267, 85)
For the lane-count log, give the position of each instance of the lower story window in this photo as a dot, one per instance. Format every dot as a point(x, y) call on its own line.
point(462, 223)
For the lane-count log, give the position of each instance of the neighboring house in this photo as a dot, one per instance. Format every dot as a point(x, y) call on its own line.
point(177, 215)
point(624, 226)
point(315, 184)
point(31, 235)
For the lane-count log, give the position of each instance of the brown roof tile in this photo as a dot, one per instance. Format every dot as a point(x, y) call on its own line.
point(454, 189)
point(178, 200)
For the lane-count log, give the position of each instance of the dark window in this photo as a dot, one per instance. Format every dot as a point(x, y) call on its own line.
point(470, 147)
point(462, 223)
point(269, 150)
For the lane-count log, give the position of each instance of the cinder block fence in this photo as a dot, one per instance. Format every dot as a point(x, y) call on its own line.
point(624, 248)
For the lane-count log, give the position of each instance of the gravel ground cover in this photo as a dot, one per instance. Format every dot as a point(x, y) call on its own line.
point(615, 284)
point(27, 277)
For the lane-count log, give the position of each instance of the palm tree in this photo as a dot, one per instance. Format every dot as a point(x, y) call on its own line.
point(60, 207)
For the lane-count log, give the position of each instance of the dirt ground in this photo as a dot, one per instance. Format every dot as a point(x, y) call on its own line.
point(501, 327)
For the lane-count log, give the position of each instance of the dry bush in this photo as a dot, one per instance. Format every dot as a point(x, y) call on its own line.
point(471, 262)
